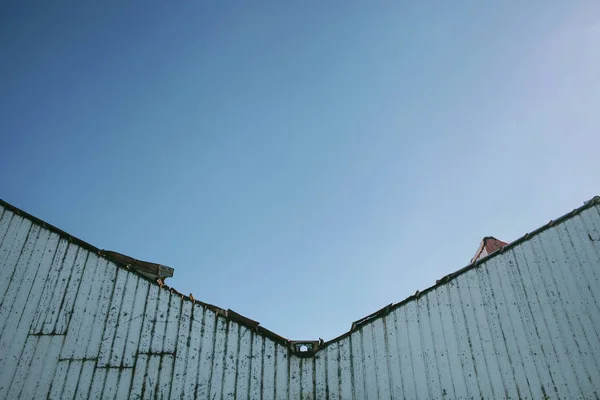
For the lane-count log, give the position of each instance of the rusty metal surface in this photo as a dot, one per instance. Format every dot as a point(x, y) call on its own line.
point(520, 323)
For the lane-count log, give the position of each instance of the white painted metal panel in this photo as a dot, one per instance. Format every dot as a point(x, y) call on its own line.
point(10, 277)
point(218, 364)
point(192, 369)
point(207, 332)
point(20, 283)
point(73, 276)
point(182, 356)
point(231, 360)
point(295, 385)
point(16, 237)
point(256, 367)
point(243, 368)
point(332, 362)
point(49, 286)
point(58, 292)
point(85, 380)
point(345, 372)
point(5, 220)
point(282, 372)
point(521, 323)
point(358, 374)
point(268, 380)
point(125, 375)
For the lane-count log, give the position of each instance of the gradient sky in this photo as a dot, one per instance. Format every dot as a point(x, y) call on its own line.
point(302, 163)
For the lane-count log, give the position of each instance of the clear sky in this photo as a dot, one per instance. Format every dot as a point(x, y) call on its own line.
point(302, 163)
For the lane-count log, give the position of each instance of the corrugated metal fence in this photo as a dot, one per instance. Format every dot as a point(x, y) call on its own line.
point(523, 323)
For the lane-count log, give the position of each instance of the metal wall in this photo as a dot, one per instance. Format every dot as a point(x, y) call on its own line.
point(523, 323)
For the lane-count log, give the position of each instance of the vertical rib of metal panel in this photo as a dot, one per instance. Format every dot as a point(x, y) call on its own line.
point(523, 324)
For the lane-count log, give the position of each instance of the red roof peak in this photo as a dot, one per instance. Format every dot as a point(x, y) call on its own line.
point(488, 245)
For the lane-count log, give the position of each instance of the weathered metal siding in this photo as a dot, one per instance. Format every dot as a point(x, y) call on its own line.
point(524, 323)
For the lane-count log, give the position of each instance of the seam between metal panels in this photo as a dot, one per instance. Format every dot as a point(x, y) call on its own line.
point(583, 272)
point(178, 350)
point(212, 358)
point(13, 250)
point(49, 325)
point(37, 342)
point(362, 360)
point(136, 355)
point(268, 334)
point(410, 348)
point(17, 259)
point(477, 327)
point(185, 345)
point(47, 295)
point(87, 300)
point(237, 360)
point(5, 211)
point(372, 340)
point(289, 385)
point(495, 343)
point(352, 389)
point(112, 291)
point(127, 321)
point(422, 346)
point(250, 360)
point(64, 296)
point(457, 343)
point(200, 349)
point(79, 378)
point(396, 338)
point(314, 376)
point(560, 331)
point(578, 290)
point(326, 373)
point(8, 223)
point(10, 384)
point(444, 338)
point(300, 362)
point(2, 211)
point(275, 368)
point(435, 365)
point(387, 352)
point(55, 251)
point(501, 325)
point(469, 341)
point(595, 251)
point(516, 281)
point(511, 324)
point(553, 351)
point(111, 348)
point(40, 297)
point(69, 313)
point(104, 330)
point(224, 363)
point(37, 270)
point(262, 368)
point(339, 369)
point(175, 338)
point(51, 386)
point(188, 365)
point(597, 229)
point(567, 316)
point(162, 353)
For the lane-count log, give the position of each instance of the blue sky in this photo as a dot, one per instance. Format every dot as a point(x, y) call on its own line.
point(302, 163)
